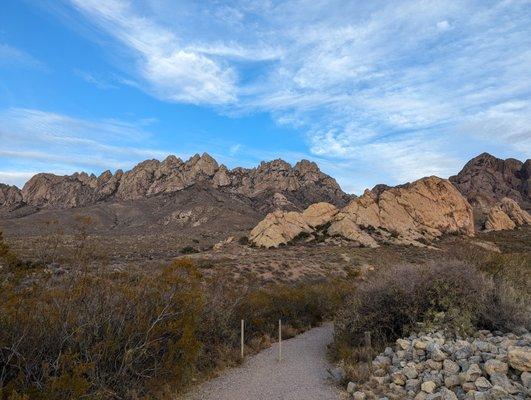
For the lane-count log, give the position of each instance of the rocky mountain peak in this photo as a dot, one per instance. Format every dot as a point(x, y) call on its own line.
point(485, 180)
point(275, 165)
point(303, 184)
point(304, 166)
point(202, 165)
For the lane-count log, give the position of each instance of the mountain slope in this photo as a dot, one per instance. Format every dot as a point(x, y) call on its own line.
point(196, 202)
point(485, 180)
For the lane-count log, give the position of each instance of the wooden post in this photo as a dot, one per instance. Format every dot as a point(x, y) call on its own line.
point(242, 338)
point(368, 350)
point(279, 340)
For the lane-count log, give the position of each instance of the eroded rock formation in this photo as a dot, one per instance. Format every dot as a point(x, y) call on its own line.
point(304, 182)
point(485, 180)
point(507, 214)
point(279, 227)
point(9, 195)
point(409, 214)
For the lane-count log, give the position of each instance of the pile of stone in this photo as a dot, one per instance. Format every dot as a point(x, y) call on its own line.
point(431, 367)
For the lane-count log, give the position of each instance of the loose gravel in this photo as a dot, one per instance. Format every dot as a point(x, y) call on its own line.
point(302, 373)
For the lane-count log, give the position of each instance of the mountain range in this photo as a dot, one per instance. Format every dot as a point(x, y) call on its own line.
point(201, 199)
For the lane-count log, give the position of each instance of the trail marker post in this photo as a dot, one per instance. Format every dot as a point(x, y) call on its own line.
point(368, 350)
point(242, 337)
point(279, 340)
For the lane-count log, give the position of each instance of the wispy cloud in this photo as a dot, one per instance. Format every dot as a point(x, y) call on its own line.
point(388, 84)
point(234, 149)
point(93, 79)
point(171, 71)
point(52, 142)
point(11, 56)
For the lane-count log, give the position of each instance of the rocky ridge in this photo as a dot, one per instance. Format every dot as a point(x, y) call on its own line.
point(9, 195)
point(304, 183)
point(410, 214)
point(485, 180)
point(430, 366)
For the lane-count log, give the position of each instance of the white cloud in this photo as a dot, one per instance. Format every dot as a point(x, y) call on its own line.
point(172, 73)
point(509, 121)
point(443, 25)
point(366, 81)
point(16, 178)
point(52, 142)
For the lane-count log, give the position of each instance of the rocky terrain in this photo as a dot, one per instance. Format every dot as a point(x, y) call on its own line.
point(173, 204)
point(506, 214)
point(304, 183)
point(429, 366)
point(168, 204)
point(9, 195)
point(486, 180)
point(488, 194)
point(410, 214)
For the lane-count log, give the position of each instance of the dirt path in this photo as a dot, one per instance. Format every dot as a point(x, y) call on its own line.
point(301, 375)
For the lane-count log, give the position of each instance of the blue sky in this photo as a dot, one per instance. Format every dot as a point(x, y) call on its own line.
point(374, 92)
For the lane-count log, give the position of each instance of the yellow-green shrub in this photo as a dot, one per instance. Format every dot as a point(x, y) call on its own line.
point(100, 337)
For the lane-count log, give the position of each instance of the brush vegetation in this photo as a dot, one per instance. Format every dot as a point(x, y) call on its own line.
point(98, 334)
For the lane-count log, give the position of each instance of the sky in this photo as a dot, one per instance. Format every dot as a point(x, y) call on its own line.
point(373, 91)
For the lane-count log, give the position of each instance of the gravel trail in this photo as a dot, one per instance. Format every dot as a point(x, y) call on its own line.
point(302, 373)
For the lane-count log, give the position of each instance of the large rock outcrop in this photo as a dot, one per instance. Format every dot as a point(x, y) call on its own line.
point(302, 184)
point(281, 227)
point(278, 228)
point(9, 195)
point(505, 215)
point(412, 214)
point(485, 180)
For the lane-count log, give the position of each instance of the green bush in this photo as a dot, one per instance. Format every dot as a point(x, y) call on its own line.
point(243, 240)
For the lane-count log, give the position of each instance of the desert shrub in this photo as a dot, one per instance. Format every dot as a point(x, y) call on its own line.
point(449, 294)
point(510, 301)
point(48, 247)
point(509, 304)
point(300, 306)
point(243, 240)
point(100, 337)
point(136, 334)
point(7, 257)
point(189, 250)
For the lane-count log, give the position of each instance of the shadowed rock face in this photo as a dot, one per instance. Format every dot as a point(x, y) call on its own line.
point(409, 214)
point(9, 195)
point(485, 180)
point(304, 183)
